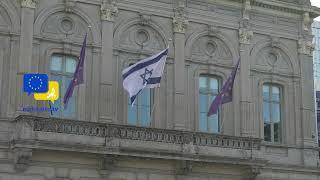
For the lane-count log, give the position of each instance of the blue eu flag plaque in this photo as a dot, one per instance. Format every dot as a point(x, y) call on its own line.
point(35, 83)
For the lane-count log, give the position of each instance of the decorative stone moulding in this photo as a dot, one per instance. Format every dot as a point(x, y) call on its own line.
point(306, 46)
point(245, 36)
point(139, 133)
point(109, 10)
point(29, 3)
point(142, 37)
point(145, 19)
point(66, 25)
point(22, 158)
point(180, 20)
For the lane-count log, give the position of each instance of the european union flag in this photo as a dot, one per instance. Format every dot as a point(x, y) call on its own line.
point(35, 83)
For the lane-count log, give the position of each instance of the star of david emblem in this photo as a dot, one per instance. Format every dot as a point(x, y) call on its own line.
point(146, 75)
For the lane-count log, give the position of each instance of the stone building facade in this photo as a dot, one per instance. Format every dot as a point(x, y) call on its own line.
point(267, 132)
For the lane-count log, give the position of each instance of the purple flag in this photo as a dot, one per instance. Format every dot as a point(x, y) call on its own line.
point(225, 94)
point(78, 74)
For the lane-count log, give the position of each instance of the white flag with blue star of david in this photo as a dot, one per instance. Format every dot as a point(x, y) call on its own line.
point(144, 74)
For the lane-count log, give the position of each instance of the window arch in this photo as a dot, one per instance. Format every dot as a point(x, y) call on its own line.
point(208, 89)
point(62, 68)
point(272, 112)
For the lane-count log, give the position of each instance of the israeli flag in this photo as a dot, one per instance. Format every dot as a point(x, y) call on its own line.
point(144, 74)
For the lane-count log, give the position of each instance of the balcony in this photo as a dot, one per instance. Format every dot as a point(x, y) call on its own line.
point(110, 139)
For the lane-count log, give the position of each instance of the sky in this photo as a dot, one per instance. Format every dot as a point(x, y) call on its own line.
point(316, 3)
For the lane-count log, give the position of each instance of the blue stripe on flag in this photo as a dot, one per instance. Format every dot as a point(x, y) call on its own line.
point(132, 98)
point(144, 64)
point(154, 80)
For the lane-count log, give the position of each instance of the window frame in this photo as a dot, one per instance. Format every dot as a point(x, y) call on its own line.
point(281, 111)
point(64, 74)
point(219, 81)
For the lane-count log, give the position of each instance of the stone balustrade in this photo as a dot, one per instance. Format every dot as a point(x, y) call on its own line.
point(64, 126)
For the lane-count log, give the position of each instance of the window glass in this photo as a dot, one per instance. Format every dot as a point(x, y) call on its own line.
point(62, 68)
point(140, 113)
point(56, 63)
point(71, 65)
point(208, 89)
point(272, 113)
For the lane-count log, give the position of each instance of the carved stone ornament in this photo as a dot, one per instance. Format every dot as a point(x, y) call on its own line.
point(109, 10)
point(253, 173)
point(29, 3)
point(69, 5)
point(306, 21)
point(21, 158)
point(246, 10)
point(245, 36)
point(183, 167)
point(306, 47)
point(145, 19)
point(180, 21)
point(107, 162)
point(141, 134)
point(275, 42)
point(213, 30)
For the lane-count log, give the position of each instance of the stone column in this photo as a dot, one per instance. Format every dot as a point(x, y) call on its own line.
point(25, 52)
point(180, 23)
point(107, 91)
point(246, 105)
point(307, 89)
point(26, 37)
point(308, 121)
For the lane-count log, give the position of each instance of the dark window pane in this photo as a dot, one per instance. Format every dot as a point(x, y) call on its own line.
point(277, 134)
point(267, 132)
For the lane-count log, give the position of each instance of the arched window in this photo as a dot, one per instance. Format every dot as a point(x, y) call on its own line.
point(62, 68)
point(140, 114)
point(272, 98)
point(208, 90)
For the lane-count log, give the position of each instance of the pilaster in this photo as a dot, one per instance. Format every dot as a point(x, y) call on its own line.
point(246, 105)
point(180, 23)
point(25, 50)
point(108, 12)
point(305, 52)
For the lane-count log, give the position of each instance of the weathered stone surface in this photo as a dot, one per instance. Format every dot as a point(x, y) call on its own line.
point(272, 38)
